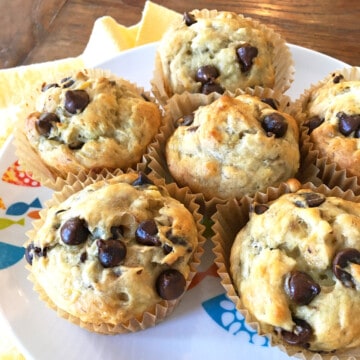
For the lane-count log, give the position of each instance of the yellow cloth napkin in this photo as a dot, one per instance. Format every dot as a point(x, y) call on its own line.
point(108, 38)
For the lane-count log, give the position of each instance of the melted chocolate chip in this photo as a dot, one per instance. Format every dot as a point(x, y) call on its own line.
point(342, 260)
point(348, 123)
point(274, 124)
point(67, 82)
point(246, 55)
point(45, 123)
point(167, 249)
point(111, 252)
point(189, 19)
point(170, 284)
point(74, 231)
point(313, 122)
point(337, 78)
point(207, 74)
point(270, 101)
point(117, 232)
point(311, 200)
point(142, 180)
point(45, 86)
point(83, 256)
point(300, 335)
point(301, 288)
point(176, 240)
point(147, 233)
point(186, 120)
point(211, 87)
point(76, 101)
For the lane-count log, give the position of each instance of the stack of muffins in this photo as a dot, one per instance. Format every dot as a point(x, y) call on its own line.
point(219, 139)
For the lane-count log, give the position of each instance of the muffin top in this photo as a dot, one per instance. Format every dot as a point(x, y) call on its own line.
point(332, 114)
point(216, 52)
point(113, 250)
point(233, 147)
point(91, 121)
point(295, 265)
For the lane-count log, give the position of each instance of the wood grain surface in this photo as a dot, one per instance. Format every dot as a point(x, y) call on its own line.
point(42, 30)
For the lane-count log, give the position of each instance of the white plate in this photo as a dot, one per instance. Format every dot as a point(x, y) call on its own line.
point(205, 323)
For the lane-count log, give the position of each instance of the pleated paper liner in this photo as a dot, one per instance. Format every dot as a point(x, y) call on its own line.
point(186, 103)
point(282, 59)
point(328, 171)
point(30, 159)
point(228, 221)
point(155, 313)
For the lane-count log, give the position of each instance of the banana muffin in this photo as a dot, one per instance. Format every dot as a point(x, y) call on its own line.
point(232, 147)
point(113, 251)
point(296, 267)
point(90, 121)
point(331, 114)
point(214, 51)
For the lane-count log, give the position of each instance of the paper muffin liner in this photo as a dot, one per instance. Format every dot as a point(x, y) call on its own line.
point(183, 104)
point(155, 313)
point(30, 159)
point(327, 171)
point(283, 60)
point(229, 219)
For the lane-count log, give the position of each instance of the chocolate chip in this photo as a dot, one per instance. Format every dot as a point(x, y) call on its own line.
point(29, 253)
point(147, 233)
point(170, 284)
point(313, 122)
point(259, 208)
point(342, 260)
point(76, 101)
point(209, 88)
point(207, 73)
point(300, 335)
point(270, 101)
point(337, 78)
point(45, 86)
point(274, 124)
point(74, 231)
point(186, 120)
point(189, 19)
point(348, 123)
point(246, 54)
point(45, 123)
point(142, 180)
point(311, 200)
point(111, 252)
point(301, 288)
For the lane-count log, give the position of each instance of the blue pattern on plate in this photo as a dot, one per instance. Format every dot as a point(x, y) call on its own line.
point(223, 312)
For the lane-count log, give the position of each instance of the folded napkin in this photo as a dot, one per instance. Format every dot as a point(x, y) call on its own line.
point(108, 38)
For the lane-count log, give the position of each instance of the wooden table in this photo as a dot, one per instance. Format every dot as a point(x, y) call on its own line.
point(41, 30)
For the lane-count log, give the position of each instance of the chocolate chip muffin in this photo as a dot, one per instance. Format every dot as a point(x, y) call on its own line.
point(115, 256)
point(90, 121)
point(214, 51)
point(295, 266)
point(331, 114)
point(232, 147)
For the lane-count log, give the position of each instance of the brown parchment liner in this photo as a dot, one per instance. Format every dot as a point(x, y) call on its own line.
point(283, 61)
point(186, 103)
point(228, 220)
point(154, 314)
point(328, 171)
point(30, 159)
